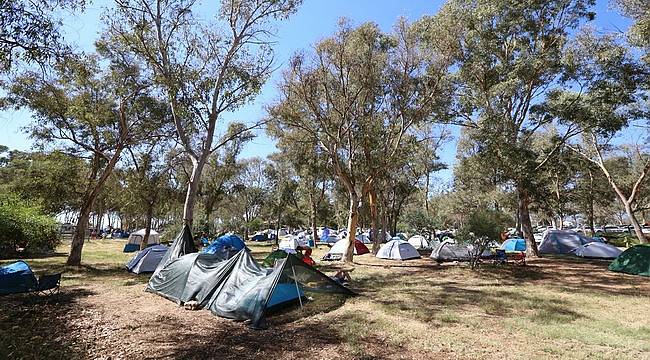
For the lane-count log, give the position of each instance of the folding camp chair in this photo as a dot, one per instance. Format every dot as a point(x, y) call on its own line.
point(47, 285)
point(500, 258)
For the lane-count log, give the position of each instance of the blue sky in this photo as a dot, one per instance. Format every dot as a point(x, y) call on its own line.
point(315, 20)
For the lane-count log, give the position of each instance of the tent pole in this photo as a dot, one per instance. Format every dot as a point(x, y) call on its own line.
point(297, 288)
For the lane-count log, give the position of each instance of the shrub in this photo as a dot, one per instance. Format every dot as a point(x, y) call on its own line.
point(24, 226)
point(482, 228)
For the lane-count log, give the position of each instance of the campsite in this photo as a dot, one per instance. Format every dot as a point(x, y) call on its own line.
point(324, 179)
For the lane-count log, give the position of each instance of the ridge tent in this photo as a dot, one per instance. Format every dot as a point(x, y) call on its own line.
point(634, 261)
point(419, 242)
point(597, 250)
point(146, 260)
point(228, 244)
point(513, 245)
point(238, 288)
point(136, 238)
point(340, 247)
point(562, 241)
point(398, 250)
point(16, 278)
point(183, 244)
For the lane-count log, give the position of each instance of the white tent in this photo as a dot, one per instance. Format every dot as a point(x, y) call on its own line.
point(146, 260)
point(597, 250)
point(136, 237)
point(398, 250)
point(290, 243)
point(419, 242)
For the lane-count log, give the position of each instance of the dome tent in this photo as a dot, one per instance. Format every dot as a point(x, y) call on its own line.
point(450, 251)
point(146, 260)
point(562, 241)
point(229, 242)
point(136, 238)
point(419, 242)
point(338, 250)
point(398, 250)
point(514, 245)
point(634, 261)
point(597, 250)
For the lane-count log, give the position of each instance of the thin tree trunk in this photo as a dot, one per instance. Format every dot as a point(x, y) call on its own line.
point(192, 188)
point(374, 214)
point(590, 216)
point(147, 231)
point(312, 218)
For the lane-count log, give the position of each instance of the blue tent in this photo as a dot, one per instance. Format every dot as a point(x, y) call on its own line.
point(229, 241)
point(16, 278)
point(514, 245)
point(260, 237)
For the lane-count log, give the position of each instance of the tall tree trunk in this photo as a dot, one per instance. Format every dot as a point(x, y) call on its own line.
point(147, 228)
point(192, 188)
point(80, 234)
point(526, 226)
point(374, 215)
point(74, 259)
point(312, 219)
point(353, 218)
point(590, 216)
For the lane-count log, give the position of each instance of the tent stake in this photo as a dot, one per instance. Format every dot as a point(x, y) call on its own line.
point(297, 288)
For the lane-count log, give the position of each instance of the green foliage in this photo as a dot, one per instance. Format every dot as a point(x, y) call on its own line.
point(419, 221)
point(484, 225)
point(23, 225)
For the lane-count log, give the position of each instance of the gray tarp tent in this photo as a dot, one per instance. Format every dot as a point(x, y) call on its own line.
point(182, 244)
point(562, 241)
point(450, 251)
point(238, 288)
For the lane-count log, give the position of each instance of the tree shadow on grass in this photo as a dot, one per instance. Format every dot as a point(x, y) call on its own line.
point(41, 328)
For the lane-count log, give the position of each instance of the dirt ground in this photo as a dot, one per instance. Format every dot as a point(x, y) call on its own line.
point(552, 308)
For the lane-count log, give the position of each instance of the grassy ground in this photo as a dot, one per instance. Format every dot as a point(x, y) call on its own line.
point(553, 308)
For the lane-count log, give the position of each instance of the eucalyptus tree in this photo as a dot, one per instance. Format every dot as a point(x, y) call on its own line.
point(331, 97)
point(507, 55)
point(206, 62)
point(30, 31)
point(611, 97)
point(88, 111)
point(222, 168)
point(356, 96)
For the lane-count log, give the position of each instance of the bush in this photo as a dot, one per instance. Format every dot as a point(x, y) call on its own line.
point(24, 226)
point(482, 228)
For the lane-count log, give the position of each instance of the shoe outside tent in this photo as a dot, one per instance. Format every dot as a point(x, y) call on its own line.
point(562, 241)
point(340, 247)
point(398, 250)
point(238, 288)
point(597, 250)
point(634, 261)
point(147, 260)
point(135, 239)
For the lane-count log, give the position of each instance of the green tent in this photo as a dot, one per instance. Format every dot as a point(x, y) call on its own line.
point(635, 261)
point(269, 261)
